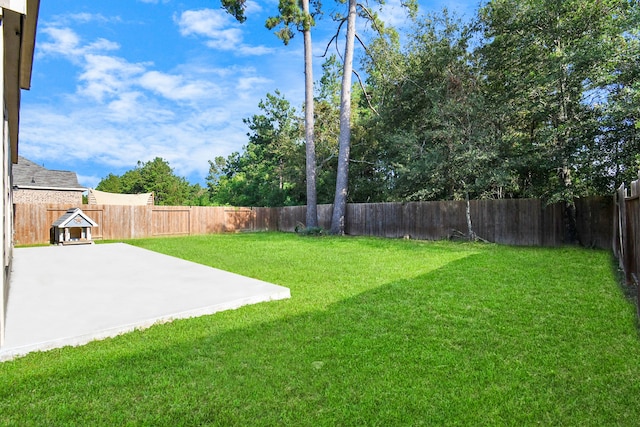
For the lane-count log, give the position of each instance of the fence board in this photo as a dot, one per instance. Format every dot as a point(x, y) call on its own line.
point(623, 231)
point(633, 243)
point(324, 216)
point(626, 236)
point(290, 217)
point(171, 221)
point(238, 219)
point(594, 220)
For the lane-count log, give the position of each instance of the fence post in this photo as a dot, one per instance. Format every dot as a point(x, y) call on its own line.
point(622, 230)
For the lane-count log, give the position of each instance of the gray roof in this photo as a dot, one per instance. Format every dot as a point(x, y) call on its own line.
point(82, 220)
point(27, 174)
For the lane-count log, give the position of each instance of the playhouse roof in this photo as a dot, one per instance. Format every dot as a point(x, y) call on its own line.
point(74, 217)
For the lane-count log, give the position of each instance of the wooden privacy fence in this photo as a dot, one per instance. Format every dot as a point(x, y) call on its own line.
point(626, 234)
point(514, 222)
point(32, 222)
point(508, 221)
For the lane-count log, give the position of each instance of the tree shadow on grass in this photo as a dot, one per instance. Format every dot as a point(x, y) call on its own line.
point(478, 341)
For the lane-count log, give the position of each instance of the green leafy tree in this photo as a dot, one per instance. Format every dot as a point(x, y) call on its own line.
point(158, 177)
point(433, 130)
point(542, 57)
point(619, 140)
point(111, 184)
point(269, 171)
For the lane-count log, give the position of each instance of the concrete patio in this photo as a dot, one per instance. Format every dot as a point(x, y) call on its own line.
point(71, 295)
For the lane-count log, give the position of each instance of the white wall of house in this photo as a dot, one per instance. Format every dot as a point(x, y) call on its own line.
point(18, 21)
point(19, 6)
point(5, 174)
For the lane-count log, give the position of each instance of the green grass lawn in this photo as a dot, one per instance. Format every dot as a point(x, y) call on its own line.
point(377, 332)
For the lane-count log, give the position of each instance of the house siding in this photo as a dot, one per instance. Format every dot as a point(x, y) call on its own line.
point(27, 196)
point(17, 42)
point(5, 198)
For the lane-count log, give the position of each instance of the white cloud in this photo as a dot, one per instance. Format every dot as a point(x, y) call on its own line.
point(206, 22)
point(253, 8)
point(219, 29)
point(175, 87)
point(126, 107)
point(101, 45)
point(85, 18)
point(393, 13)
point(228, 39)
point(254, 50)
point(82, 18)
point(187, 140)
point(89, 181)
point(123, 111)
point(251, 83)
point(66, 42)
point(134, 106)
point(107, 76)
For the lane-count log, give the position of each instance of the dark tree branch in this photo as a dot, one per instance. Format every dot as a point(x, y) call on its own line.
point(333, 39)
point(326, 160)
point(366, 95)
point(362, 161)
point(364, 46)
point(372, 18)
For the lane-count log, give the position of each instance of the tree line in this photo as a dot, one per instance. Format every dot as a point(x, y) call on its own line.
point(529, 99)
point(158, 177)
point(533, 98)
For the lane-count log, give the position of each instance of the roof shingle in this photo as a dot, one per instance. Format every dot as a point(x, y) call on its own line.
point(28, 174)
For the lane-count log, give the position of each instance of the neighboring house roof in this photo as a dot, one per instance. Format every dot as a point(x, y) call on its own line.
point(74, 217)
point(103, 198)
point(28, 175)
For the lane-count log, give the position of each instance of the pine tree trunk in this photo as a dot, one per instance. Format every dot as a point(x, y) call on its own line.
point(471, 235)
point(570, 217)
point(312, 201)
point(342, 178)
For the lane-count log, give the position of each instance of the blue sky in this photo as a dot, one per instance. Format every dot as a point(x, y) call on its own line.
point(121, 81)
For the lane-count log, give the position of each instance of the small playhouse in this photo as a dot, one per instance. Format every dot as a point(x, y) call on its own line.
point(73, 228)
